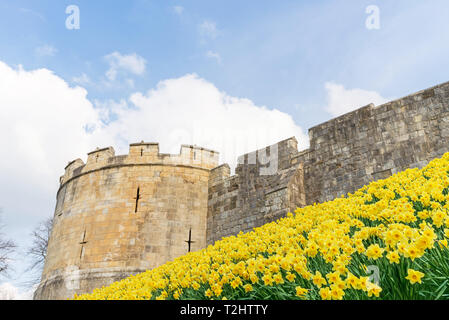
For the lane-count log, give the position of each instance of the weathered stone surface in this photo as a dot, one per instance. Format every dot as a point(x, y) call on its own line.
point(253, 196)
point(374, 142)
point(345, 153)
point(99, 235)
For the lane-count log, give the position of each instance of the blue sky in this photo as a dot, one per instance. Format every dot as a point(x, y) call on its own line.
point(293, 64)
point(277, 54)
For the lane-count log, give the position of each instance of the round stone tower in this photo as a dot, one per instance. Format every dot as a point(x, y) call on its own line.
point(121, 215)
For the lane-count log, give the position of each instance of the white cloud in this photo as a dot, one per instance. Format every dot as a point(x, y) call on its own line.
point(131, 63)
point(54, 123)
point(192, 110)
point(341, 100)
point(42, 127)
point(214, 55)
point(9, 292)
point(45, 123)
point(46, 51)
point(208, 29)
point(178, 10)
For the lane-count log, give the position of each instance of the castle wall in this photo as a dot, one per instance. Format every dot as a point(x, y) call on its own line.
point(99, 237)
point(101, 234)
point(345, 154)
point(374, 142)
point(256, 194)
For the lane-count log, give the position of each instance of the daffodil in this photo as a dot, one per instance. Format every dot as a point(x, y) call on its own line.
point(414, 276)
point(393, 257)
point(301, 292)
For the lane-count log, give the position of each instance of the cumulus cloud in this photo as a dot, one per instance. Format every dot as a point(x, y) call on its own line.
point(341, 100)
point(46, 51)
point(192, 110)
point(55, 123)
point(44, 123)
point(131, 63)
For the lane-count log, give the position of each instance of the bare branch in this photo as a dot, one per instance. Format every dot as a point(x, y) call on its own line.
point(37, 252)
point(7, 247)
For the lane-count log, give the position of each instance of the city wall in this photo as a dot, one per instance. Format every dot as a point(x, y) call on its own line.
point(345, 154)
point(373, 143)
point(267, 185)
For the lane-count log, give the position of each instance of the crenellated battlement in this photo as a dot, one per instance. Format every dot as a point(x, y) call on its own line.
point(140, 154)
point(277, 157)
point(266, 185)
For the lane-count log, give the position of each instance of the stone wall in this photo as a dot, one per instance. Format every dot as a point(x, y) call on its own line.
point(267, 185)
point(345, 154)
point(102, 233)
point(374, 142)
